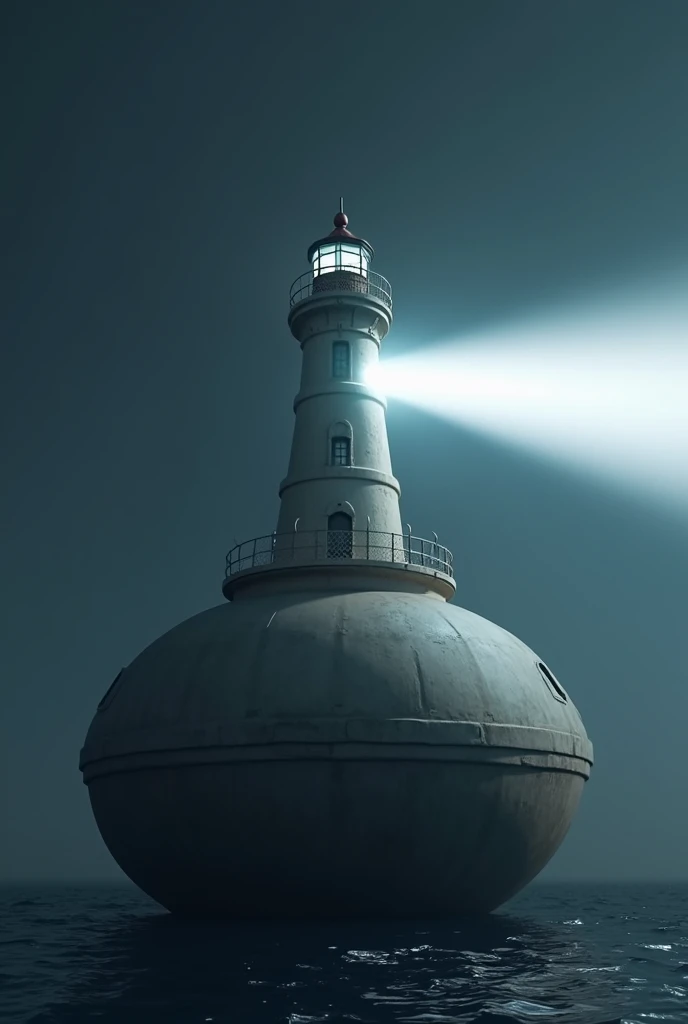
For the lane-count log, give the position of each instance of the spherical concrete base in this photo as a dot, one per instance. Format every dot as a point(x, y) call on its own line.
point(335, 754)
point(334, 839)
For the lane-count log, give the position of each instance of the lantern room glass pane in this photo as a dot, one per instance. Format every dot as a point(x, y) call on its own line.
point(355, 259)
point(325, 259)
point(351, 258)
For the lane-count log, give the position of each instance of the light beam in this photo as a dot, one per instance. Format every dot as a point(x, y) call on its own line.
point(603, 388)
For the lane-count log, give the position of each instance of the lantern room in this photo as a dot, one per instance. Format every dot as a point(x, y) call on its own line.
point(340, 251)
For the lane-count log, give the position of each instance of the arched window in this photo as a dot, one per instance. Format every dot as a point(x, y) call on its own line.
point(340, 444)
point(341, 360)
point(340, 538)
point(341, 451)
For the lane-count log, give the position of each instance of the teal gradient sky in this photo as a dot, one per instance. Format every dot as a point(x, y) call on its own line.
point(166, 167)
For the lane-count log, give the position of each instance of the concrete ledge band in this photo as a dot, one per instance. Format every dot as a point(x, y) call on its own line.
point(346, 473)
point(282, 752)
point(350, 566)
point(352, 739)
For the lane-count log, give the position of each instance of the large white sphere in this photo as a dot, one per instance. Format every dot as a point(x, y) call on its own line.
point(327, 753)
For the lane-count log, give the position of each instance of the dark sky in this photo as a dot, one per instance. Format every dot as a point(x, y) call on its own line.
point(166, 165)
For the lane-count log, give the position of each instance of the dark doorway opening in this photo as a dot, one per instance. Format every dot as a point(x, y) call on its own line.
point(340, 538)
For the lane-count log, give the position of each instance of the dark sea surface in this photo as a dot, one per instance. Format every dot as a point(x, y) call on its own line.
point(560, 953)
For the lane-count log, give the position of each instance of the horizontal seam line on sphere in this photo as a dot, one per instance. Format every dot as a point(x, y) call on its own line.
point(529, 768)
point(517, 751)
point(347, 742)
point(89, 767)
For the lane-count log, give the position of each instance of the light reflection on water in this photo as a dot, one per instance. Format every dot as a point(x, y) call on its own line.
point(569, 954)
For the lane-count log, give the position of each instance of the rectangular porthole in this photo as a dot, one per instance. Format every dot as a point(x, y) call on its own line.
point(555, 687)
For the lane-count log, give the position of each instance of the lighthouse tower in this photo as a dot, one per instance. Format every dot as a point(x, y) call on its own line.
point(340, 472)
point(340, 499)
point(336, 738)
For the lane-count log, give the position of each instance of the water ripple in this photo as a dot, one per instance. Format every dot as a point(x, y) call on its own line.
point(565, 954)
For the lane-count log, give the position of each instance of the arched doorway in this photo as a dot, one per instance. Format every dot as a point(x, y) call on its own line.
point(340, 539)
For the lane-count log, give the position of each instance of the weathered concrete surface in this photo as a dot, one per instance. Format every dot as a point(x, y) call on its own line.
point(363, 752)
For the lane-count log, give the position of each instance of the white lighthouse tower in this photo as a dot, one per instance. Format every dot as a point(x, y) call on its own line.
point(340, 471)
point(336, 738)
point(340, 499)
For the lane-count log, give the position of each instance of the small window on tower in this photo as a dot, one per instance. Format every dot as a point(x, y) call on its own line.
point(341, 360)
point(341, 451)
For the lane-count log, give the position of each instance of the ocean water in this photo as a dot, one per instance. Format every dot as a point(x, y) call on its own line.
point(556, 953)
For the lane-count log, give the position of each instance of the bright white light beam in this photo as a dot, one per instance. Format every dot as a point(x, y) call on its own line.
point(605, 390)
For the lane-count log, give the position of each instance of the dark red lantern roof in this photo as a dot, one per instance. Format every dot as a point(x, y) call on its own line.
point(341, 233)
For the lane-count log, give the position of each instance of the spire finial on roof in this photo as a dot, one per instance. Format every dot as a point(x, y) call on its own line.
point(341, 219)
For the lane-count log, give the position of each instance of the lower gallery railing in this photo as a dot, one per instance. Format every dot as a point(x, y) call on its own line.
point(309, 546)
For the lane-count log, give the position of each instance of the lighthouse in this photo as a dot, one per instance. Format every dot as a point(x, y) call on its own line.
point(336, 738)
point(339, 502)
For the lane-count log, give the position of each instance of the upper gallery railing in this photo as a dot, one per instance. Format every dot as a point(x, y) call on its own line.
point(368, 283)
